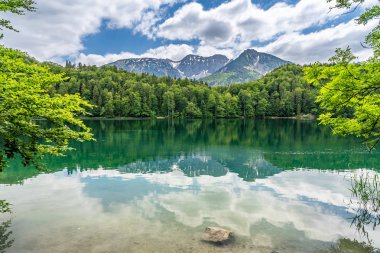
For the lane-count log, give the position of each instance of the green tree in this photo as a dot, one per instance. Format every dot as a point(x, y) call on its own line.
point(14, 6)
point(169, 103)
point(350, 92)
point(192, 110)
point(245, 98)
point(109, 107)
point(298, 100)
point(349, 96)
point(24, 100)
point(211, 105)
point(134, 103)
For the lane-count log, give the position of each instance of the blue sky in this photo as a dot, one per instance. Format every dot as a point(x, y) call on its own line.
point(97, 31)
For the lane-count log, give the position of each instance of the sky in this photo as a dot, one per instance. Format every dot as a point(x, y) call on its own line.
point(97, 32)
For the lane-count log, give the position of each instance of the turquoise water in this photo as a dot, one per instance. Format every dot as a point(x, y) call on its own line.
point(153, 186)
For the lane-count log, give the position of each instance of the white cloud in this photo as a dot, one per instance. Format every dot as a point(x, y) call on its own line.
point(171, 51)
point(321, 45)
point(240, 21)
point(57, 29)
point(210, 50)
point(174, 52)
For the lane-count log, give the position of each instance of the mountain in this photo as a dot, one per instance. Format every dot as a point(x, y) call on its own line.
point(195, 67)
point(250, 65)
point(192, 66)
point(216, 69)
point(158, 67)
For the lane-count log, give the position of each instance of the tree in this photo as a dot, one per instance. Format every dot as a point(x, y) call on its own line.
point(350, 92)
point(14, 6)
point(109, 108)
point(349, 96)
point(169, 103)
point(246, 103)
point(25, 100)
point(192, 110)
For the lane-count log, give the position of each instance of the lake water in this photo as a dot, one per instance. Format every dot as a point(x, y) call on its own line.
point(153, 186)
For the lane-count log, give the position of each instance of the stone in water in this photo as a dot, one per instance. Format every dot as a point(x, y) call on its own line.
point(215, 234)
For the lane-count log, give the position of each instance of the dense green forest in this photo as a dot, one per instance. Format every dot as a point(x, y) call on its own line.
point(118, 93)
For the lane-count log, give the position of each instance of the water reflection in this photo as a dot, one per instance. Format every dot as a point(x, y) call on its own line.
point(279, 185)
point(293, 211)
point(6, 239)
point(347, 245)
point(365, 201)
point(283, 144)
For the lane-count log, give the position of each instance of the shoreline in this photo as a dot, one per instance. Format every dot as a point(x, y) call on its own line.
point(298, 117)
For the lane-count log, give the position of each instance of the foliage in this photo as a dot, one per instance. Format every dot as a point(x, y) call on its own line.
point(287, 93)
point(373, 38)
point(14, 6)
point(32, 122)
point(118, 93)
point(350, 92)
point(349, 96)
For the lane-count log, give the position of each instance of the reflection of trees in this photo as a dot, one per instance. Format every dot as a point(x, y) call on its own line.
point(4, 207)
point(5, 236)
point(365, 201)
point(348, 246)
point(285, 144)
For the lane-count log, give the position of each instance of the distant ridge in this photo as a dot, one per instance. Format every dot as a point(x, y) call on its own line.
point(216, 70)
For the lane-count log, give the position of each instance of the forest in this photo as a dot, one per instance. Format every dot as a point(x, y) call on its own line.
point(118, 93)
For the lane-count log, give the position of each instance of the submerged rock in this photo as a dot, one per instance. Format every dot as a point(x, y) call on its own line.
point(216, 235)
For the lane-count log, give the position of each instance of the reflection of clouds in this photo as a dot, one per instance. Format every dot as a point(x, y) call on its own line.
point(326, 187)
point(71, 208)
point(242, 209)
point(311, 201)
point(53, 213)
point(176, 178)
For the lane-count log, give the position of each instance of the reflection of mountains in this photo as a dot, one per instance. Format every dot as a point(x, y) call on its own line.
point(192, 166)
point(198, 165)
point(234, 144)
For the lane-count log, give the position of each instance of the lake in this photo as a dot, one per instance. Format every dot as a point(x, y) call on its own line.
point(154, 186)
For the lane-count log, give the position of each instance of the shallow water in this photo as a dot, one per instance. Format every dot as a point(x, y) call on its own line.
point(153, 186)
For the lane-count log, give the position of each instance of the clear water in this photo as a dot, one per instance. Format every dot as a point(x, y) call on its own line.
point(153, 186)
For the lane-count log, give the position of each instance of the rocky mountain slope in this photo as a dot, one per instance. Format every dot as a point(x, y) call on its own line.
point(216, 69)
point(192, 66)
point(196, 67)
point(250, 65)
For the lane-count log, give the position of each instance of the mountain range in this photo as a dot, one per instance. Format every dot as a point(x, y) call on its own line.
point(216, 70)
